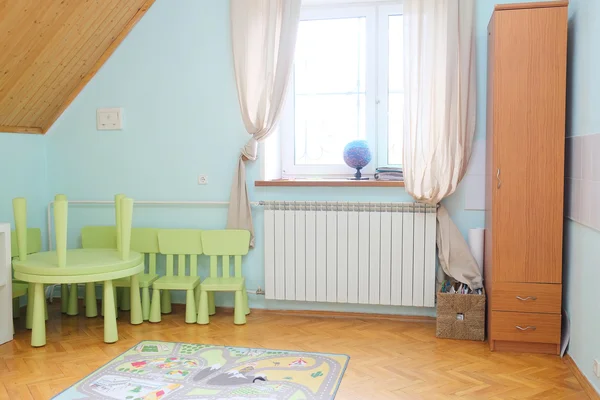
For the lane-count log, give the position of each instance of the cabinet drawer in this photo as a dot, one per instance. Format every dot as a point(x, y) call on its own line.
point(526, 327)
point(527, 297)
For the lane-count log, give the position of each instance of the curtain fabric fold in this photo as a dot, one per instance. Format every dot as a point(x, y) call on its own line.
point(263, 36)
point(439, 115)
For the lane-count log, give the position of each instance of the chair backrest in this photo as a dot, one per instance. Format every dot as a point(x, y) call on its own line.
point(226, 243)
point(182, 243)
point(99, 237)
point(34, 242)
point(145, 241)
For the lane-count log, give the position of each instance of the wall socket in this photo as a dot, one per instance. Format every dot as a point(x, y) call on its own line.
point(597, 368)
point(202, 180)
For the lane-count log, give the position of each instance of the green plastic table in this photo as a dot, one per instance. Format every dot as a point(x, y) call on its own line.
point(82, 266)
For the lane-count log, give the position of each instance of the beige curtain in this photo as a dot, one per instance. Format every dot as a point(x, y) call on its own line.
point(439, 122)
point(263, 36)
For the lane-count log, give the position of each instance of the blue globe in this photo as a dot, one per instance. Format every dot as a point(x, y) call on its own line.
point(357, 155)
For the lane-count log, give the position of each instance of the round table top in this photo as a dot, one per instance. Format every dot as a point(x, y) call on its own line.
point(79, 262)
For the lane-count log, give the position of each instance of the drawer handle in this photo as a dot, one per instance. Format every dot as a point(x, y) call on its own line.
point(526, 328)
point(527, 298)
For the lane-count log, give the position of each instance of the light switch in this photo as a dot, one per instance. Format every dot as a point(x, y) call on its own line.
point(109, 119)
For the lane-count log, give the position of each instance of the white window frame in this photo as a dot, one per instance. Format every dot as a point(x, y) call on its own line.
point(376, 87)
point(384, 12)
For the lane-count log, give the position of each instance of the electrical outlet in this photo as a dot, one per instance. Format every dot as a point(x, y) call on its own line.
point(597, 368)
point(202, 179)
point(109, 119)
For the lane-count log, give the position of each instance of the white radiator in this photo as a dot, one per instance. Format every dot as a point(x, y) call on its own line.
point(367, 253)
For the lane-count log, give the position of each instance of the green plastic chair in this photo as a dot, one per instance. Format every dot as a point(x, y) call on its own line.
point(225, 243)
point(34, 242)
point(145, 241)
point(99, 237)
point(34, 245)
point(19, 289)
point(184, 243)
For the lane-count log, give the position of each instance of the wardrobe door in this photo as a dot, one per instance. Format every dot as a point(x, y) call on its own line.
point(529, 101)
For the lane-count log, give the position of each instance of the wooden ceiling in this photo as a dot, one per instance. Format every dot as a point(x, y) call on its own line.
point(49, 51)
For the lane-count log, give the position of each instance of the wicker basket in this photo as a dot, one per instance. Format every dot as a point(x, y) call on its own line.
point(461, 316)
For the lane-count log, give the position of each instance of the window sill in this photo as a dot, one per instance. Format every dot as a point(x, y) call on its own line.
point(328, 183)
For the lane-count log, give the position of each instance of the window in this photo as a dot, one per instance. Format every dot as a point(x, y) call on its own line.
point(346, 85)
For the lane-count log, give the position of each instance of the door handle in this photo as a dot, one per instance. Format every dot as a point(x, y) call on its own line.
point(533, 328)
point(527, 298)
point(498, 178)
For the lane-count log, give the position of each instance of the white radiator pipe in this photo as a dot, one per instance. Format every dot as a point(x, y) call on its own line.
point(144, 202)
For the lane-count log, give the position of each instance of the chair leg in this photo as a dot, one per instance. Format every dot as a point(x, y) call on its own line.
point(133, 293)
point(125, 300)
point(211, 303)
point(239, 312)
point(30, 300)
point(64, 298)
point(155, 306)
point(145, 303)
point(73, 309)
point(38, 329)
point(91, 306)
point(45, 307)
point(116, 302)
point(246, 301)
point(203, 309)
point(197, 295)
point(111, 334)
point(165, 306)
point(16, 307)
point(190, 307)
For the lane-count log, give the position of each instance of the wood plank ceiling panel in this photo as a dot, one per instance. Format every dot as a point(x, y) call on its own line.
point(54, 55)
point(50, 49)
point(83, 61)
point(71, 48)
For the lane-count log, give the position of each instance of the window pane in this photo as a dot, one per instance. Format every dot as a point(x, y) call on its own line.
point(325, 123)
point(330, 80)
point(395, 90)
point(396, 53)
point(395, 122)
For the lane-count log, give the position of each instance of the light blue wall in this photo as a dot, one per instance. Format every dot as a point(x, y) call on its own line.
point(173, 77)
point(23, 174)
point(581, 256)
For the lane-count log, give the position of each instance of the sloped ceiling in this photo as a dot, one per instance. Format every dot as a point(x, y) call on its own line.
point(49, 51)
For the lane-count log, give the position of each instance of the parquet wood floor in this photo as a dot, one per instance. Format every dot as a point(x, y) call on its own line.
point(389, 359)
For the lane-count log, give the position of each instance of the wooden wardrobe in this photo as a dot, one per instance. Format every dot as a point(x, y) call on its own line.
point(526, 101)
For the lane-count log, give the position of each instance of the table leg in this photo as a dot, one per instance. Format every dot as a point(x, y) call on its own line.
point(64, 298)
point(134, 301)
point(125, 302)
point(38, 330)
point(73, 308)
point(91, 307)
point(111, 334)
point(30, 297)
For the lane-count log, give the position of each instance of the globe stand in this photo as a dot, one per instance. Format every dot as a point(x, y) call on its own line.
point(358, 176)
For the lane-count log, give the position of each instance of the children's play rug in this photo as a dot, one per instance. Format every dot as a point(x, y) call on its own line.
point(165, 370)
